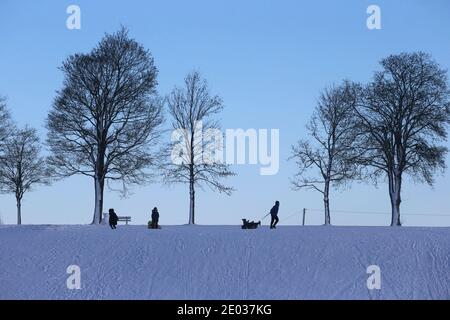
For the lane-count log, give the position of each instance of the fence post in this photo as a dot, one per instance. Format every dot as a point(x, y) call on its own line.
point(304, 214)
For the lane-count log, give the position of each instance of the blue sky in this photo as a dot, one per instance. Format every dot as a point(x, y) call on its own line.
point(268, 60)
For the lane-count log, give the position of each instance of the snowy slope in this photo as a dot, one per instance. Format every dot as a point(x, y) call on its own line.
point(224, 262)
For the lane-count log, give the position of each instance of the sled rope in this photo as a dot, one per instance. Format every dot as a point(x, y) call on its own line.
point(288, 217)
point(265, 216)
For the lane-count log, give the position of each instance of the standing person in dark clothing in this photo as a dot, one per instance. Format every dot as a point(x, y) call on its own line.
point(112, 219)
point(155, 218)
point(274, 215)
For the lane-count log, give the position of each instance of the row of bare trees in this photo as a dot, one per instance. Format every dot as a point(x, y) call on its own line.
point(106, 122)
point(385, 130)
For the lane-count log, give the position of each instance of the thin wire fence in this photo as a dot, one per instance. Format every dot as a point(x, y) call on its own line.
point(381, 213)
point(303, 214)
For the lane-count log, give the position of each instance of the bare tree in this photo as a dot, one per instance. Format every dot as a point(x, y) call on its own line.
point(192, 109)
point(22, 166)
point(403, 114)
point(330, 152)
point(107, 116)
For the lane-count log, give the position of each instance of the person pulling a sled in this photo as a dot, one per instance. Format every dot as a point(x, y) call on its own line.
point(274, 215)
point(155, 218)
point(113, 219)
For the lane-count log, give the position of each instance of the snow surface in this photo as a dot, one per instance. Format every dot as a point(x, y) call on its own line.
point(224, 262)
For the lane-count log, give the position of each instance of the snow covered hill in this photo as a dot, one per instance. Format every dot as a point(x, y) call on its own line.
point(224, 262)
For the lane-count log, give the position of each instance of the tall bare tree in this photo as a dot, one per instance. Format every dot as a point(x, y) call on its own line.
point(328, 157)
point(107, 116)
point(192, 109)
point(22, 166)
point(403, 114)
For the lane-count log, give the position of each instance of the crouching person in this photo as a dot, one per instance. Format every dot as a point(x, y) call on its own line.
point(113, 219)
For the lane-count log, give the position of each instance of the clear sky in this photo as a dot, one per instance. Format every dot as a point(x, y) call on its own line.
point(268, 60)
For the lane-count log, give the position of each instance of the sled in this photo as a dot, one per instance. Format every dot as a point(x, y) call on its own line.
point(149, 225)
point(246, 224)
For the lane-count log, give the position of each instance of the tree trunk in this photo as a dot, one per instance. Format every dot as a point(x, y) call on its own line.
point(99, 183)
point(395, 184)
point(98, 210)
point(191, 202)
point(326, 203)
point(192, 180)
point(19, 210)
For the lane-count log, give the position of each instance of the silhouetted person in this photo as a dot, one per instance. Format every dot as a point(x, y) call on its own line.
point(112, 219)
point(155, 218)
point(274, 215)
